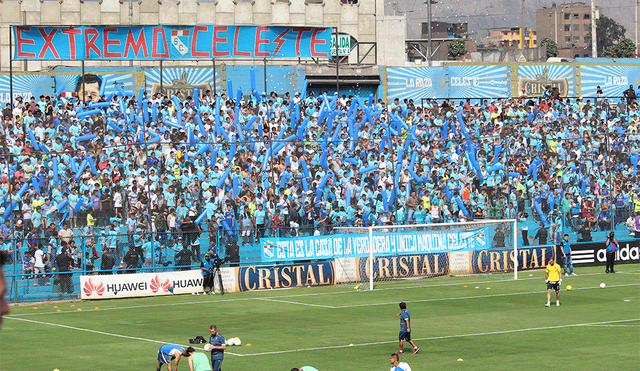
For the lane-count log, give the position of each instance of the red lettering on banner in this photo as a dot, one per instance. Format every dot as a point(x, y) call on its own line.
point(131, 43)
point(194, 42)
point(315, 41)
point(216, 40)
point(72, 40)
point(159, 31)
point(23, 41)
point(257, 52)
point(237, 52)
point(90, 43)
point(106, 42)
point(280, 41)
point(299, 31)
point(48, 43)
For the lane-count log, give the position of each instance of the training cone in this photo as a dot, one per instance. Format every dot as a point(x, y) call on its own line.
point(460, 359)
point(248, 345)
point(35, 307)
point(96, 308)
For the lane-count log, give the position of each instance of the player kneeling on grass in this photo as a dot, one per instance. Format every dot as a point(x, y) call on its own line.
point(405, 329)
point(169, 353)
point(396, 365)
point(553, 279)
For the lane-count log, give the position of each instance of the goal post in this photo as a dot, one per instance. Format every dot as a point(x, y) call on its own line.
point(394, 252)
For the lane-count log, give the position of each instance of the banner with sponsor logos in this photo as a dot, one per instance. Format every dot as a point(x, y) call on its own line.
point(613, 80)
point(595, 253)
point(150, 284)
point(448, 82)
point(170, 42)
point(285, 276)
point(535, 78)
point(441, 264)
point(357, 245)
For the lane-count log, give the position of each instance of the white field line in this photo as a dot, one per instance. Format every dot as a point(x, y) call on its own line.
point(96, 332)
point(338, 346)
point(443, 337)
point(313, 294)
point(294, 302)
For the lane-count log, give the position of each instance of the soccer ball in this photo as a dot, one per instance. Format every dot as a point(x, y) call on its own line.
point(569, 288)
point(230, 342)
point(238, 342)
point(208, 347)
point(602, 285)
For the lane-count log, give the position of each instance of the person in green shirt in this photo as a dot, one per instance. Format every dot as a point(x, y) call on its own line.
point(199, 362)
point(91, 222)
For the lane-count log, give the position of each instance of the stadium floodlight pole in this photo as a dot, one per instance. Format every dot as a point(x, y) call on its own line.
point(515, 249)
point(522, 29)
point(594, 38)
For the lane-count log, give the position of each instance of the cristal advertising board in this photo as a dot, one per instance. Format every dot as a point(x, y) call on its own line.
point(357, 245)
point(440, 264)
point(285, 276)
point(170, 42)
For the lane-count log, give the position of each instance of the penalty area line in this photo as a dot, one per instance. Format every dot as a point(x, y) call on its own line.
point(100, 332)
point(445, 337)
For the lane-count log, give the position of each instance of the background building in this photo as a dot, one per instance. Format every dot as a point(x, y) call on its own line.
point(509, 39)
point(569, 25)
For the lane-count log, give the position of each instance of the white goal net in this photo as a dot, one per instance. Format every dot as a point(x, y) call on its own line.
point(396, 252)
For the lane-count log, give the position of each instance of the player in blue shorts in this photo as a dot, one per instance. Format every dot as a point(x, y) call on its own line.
point(405, 329)
point(170, 352)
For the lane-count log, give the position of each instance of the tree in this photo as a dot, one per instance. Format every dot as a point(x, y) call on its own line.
point(552, 47)
point(457, 48)
point(608, 32)
point(624, 49)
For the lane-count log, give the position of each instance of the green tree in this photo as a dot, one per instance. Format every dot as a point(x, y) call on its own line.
point(457, 48)
point(608, 32)
point(552, 47)
point(624, 49)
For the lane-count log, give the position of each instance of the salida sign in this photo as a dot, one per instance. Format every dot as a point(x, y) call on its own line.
point(142, 284)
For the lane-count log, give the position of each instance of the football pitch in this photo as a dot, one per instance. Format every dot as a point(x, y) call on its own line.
point(461, 323)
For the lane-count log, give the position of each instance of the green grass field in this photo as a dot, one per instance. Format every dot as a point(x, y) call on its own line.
point(490, 322)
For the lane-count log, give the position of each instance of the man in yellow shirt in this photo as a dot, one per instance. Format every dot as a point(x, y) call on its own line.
point(553, 279)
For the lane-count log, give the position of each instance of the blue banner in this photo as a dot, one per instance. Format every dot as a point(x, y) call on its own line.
point(535, 78)
point(613, 80)
point(285, 276)
point(357, 245)
point(448, 82)
point(169, 42)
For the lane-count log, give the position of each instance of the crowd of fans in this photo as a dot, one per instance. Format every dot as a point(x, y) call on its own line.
point(301, 164)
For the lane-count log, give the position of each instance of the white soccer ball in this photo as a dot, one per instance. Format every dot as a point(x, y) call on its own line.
point(602, 285)
point(238, 342)
point(229, 342)
point(208, 347)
